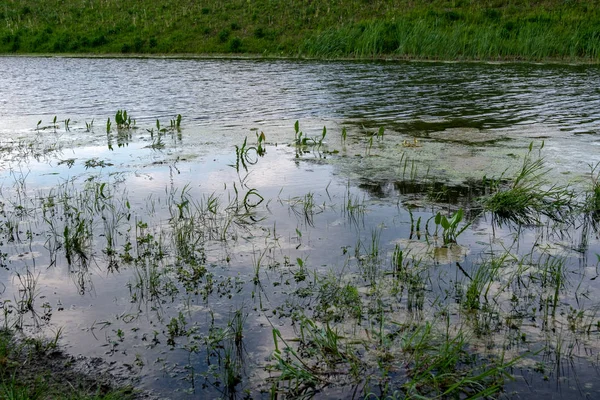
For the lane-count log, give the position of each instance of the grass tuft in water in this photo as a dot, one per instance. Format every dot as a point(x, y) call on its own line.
point(593, 195)
point(529, 194)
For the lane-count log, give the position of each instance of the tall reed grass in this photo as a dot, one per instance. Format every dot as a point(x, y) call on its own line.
point(431, 37)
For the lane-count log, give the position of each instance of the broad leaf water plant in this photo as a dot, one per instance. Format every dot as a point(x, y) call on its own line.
point(450, 229)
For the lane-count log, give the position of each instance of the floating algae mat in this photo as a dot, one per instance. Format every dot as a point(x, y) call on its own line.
point(368, 248)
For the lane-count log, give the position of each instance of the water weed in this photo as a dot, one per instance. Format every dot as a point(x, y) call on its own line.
point(303, 142)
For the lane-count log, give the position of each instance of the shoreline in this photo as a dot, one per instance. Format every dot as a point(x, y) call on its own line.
point(261, 57)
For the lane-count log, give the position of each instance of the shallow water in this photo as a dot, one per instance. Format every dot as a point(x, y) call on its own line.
point(325, 210)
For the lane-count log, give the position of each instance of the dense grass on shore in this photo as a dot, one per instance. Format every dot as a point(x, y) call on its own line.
point(435, 29)
point(34, 368)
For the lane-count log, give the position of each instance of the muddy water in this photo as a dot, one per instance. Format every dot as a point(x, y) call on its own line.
point(285, 222)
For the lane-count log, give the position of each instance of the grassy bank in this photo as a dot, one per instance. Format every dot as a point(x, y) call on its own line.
point(437, 29)
point(34, 368)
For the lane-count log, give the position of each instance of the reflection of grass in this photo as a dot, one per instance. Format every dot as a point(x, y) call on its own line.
point(306, 208)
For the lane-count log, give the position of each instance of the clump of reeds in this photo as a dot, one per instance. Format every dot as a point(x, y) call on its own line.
point(529, 194)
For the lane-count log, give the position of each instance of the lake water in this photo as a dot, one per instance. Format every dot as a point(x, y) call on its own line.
point(179, 253)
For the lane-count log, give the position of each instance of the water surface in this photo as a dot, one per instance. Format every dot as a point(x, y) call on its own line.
point(171, 230)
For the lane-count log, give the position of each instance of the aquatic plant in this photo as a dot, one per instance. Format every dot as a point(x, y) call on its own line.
point(409, 174)
point(353, 207)
point(384, 315)
point(25, 302)
point(529, 194)
point(157, 143)
point(93, 163)
point(337, 300)
point(260, 144)
point(593, 195)
point(123, 120)
point(305, 207)
point(301, 139)
point(176, 122)
point(450, 230)
point(480, 283)
point(76, 240)
point(89, 125)
point(244, 156)
point(440, 366)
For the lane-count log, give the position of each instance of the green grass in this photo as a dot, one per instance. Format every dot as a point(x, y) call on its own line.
point(438, 29)
point(529, 194)
point(30, 370)
point(593, 195)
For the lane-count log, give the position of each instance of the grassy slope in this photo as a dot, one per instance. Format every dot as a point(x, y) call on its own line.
point(440, 29)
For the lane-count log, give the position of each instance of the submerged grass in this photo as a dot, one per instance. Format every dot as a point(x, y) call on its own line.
point(438, 29)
